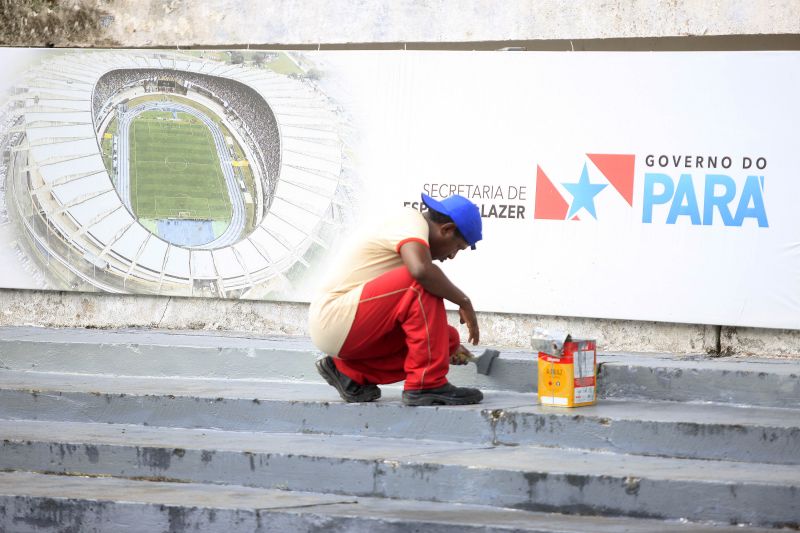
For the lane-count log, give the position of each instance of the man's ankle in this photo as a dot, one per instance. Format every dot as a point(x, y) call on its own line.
point(427, 386)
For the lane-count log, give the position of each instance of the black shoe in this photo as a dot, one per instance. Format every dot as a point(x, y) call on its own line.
point(349, 390)
point(447, 395)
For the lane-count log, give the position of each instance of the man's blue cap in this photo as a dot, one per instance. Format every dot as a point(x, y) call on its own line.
point(464, 213)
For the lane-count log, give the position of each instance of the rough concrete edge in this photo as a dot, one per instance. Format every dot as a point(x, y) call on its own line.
point(149, 23)
point(100, 310)
point(107, 311)
point(183, 23)
point(739, 341)
point(51, 23)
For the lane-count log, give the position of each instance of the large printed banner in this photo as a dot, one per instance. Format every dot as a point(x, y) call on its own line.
point(645, 186)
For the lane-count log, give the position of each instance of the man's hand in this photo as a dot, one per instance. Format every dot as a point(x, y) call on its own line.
point(468, 317)
point(462, 356)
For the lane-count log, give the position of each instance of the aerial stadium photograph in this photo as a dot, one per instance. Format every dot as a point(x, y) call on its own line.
point(198, 173)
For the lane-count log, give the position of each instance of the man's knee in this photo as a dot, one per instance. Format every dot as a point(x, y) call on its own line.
point(392, 280)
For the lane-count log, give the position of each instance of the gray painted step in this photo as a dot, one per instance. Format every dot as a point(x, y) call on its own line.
point(522, 477)
point(692, 430)
point(156, 353)
point(765, 382)
point(39, 503)
point(772, 382)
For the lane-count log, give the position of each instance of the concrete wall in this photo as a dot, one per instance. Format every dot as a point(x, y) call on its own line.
point(226, 22)
point(459, 24)
point(462, 23)
point(72, 309)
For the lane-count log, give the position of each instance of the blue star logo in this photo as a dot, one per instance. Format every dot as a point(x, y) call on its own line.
point(583, 194)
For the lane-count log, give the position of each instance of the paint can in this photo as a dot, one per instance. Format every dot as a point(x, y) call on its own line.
point(569, 379)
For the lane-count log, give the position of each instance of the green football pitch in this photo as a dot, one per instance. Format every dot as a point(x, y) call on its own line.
point(175, 169)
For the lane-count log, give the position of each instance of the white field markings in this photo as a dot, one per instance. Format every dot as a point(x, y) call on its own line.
point(161, 202)
point(171, 167)
point(237, 223)
point(194, 131)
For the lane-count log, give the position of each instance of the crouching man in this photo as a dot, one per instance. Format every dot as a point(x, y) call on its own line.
point(382, 318)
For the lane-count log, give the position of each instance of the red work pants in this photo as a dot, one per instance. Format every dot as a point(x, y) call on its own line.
point(400, 332)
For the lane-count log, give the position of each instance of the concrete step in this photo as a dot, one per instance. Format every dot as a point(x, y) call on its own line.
point(677, 429)
point(766, 382)
point(744, 381)
point(520, 477)
point(38, 503)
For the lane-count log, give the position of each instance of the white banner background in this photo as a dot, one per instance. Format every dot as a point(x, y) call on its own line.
point(426, 121)
point(491, 118)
